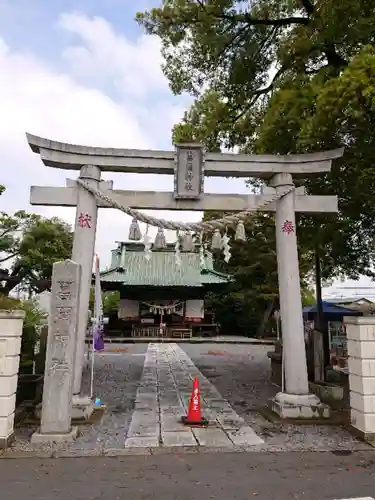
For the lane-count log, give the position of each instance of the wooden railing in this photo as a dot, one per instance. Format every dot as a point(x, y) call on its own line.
point(178, 331)
point(148, 331)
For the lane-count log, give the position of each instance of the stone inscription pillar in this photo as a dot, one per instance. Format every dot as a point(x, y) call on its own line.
point(360, 332)
point(61, 349)
point(296, 400)
point(11, 323)
point(83, 254)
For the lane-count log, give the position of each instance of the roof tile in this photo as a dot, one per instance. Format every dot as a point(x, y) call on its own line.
point(162, 270)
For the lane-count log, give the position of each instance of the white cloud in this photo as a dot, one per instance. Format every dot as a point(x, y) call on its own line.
point(73, 106)
point(36, 98)
point(132, 67)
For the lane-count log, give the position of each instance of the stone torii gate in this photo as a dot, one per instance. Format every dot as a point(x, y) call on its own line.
point(189, 164)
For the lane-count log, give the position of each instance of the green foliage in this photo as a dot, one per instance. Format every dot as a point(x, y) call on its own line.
point(111, 302)
point(47, 241)
point(34, 315)
point(9, 304)
point(29, 246)
point(284, 76)
point(247, 305)
point(308, 297)
point(34, 318)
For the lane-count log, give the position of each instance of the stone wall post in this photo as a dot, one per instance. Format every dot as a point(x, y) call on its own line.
point(11, 324)
point(83, 254)
point(296, 401)
point(360, 333)
point(61, 348)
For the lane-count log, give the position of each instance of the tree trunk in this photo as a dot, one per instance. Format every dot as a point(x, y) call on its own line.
point(266, 315)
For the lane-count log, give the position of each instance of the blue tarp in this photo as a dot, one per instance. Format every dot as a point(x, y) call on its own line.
point(330, 310)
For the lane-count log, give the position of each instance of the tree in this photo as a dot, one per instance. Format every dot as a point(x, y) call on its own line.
point(29, 246)
point(246, 306)
point(111, 301)
point(284, 76)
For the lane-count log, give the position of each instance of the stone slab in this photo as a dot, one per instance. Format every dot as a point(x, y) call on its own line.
point(212, 438)
point(53, 438)
point(143, 430)
point(245, 436)
point(142, 442)
point(178, 439)
point(231, 422)
point(173, 425)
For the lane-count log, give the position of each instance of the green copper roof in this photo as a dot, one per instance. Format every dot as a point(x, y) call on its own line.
point(161, 269)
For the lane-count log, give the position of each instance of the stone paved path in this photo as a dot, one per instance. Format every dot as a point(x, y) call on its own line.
point(163, 397)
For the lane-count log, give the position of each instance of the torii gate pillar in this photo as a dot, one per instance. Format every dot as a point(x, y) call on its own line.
point(295, 401)
point(83, 254)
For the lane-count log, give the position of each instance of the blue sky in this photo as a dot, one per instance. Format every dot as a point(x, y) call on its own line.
point(31, 24)
point(83, 71)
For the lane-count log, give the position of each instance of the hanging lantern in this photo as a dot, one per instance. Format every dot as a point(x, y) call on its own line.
point(160, 241)
point(216, 243)
point(240, 232)
point(187, 242)
point(134, 231)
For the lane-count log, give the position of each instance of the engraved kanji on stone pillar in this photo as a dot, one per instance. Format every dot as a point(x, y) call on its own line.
point(61, 349)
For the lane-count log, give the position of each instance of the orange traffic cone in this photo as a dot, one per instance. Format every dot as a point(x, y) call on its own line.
point(194, 416)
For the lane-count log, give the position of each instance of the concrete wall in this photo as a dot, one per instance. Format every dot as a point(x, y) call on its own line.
point(11, 324)
point(361, 364)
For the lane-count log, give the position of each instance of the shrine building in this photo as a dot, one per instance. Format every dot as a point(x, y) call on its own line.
point(160, 296)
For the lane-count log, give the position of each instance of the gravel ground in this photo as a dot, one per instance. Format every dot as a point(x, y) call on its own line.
point(117, 375)
point(241, 375)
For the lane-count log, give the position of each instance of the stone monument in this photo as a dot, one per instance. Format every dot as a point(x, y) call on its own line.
point(56, 413)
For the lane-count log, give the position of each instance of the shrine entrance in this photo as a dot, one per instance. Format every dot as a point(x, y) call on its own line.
point(190, 164)
point(164, 293)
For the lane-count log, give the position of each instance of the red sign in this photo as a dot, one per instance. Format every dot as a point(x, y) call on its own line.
point(84, 220)
point(287, 227)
